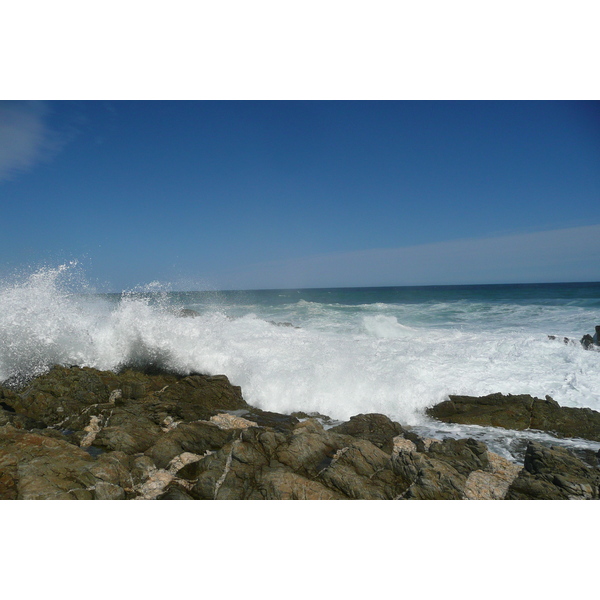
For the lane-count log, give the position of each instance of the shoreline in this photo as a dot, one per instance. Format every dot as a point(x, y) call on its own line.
point(81, 433)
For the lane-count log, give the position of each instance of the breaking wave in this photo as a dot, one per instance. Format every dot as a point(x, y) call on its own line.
point(336, 359)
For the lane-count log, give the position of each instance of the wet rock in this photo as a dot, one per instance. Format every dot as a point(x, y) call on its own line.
point(284, 324)
point(552, 473)
point(494, 410)
point(519, 412)
point(587, 341)
point(187, 312)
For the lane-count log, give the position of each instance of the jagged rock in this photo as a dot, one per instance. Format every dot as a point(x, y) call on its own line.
point(493, 483)
point(519, 412)
point(142, 468)
point(174, 492)
point(108, 491)
point(554, 474)
point(265, 418)
point(442, 471)
point(424, 478)
point(36, 467)
point(310, 449)
point(168, 436)
point(361, 470)
point(282, 484)
point(495, 410)
point(227, 421)
point(197, 438)
point(466, 455)
point(113, 468)
point(378, 429)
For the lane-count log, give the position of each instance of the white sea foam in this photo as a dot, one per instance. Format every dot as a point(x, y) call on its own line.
point(341, 361)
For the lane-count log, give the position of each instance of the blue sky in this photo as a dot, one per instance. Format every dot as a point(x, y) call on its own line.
point(268, 194)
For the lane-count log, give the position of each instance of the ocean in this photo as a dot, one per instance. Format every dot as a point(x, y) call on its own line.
point(336, 352)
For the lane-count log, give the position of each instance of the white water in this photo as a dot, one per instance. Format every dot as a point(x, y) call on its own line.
point(343, 360)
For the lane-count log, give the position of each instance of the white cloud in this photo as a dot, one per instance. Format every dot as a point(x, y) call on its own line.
point(571, 254)
point(24, 137)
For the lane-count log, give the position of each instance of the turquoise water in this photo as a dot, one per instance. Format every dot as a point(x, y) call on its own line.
point(338, 352)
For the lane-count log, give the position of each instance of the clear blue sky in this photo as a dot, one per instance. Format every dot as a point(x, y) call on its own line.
point(302, 194)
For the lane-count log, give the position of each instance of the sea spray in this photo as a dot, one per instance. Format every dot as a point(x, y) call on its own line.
point(337, 354)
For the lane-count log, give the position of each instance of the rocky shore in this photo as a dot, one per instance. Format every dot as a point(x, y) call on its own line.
point(80, 433)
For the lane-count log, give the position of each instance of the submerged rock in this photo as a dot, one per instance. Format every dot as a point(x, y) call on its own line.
point(187, 312)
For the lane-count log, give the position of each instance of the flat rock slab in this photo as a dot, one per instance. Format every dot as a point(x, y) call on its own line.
point(519, 412)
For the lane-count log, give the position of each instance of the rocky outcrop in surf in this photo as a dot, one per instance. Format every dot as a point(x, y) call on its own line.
point(519, 412)
point(80, 433)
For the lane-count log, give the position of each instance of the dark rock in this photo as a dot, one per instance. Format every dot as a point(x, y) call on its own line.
point(310, 449)
point(36, 467)
point(554, 474)
point(465, 455)
point(142, 468)
point(378, 429)
point(440, 473)
point(196, 397)
point(519, 412)
point(281, 484)
point(495, 410)
point(361, 470)
point(197, 438)
point(425, 478)
point(108, 491)
point(587, 341)
point(170, 436)
point(174, 492)
point(565, 340)
point(265, 418)
point(284, 324)
point(187, 312)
